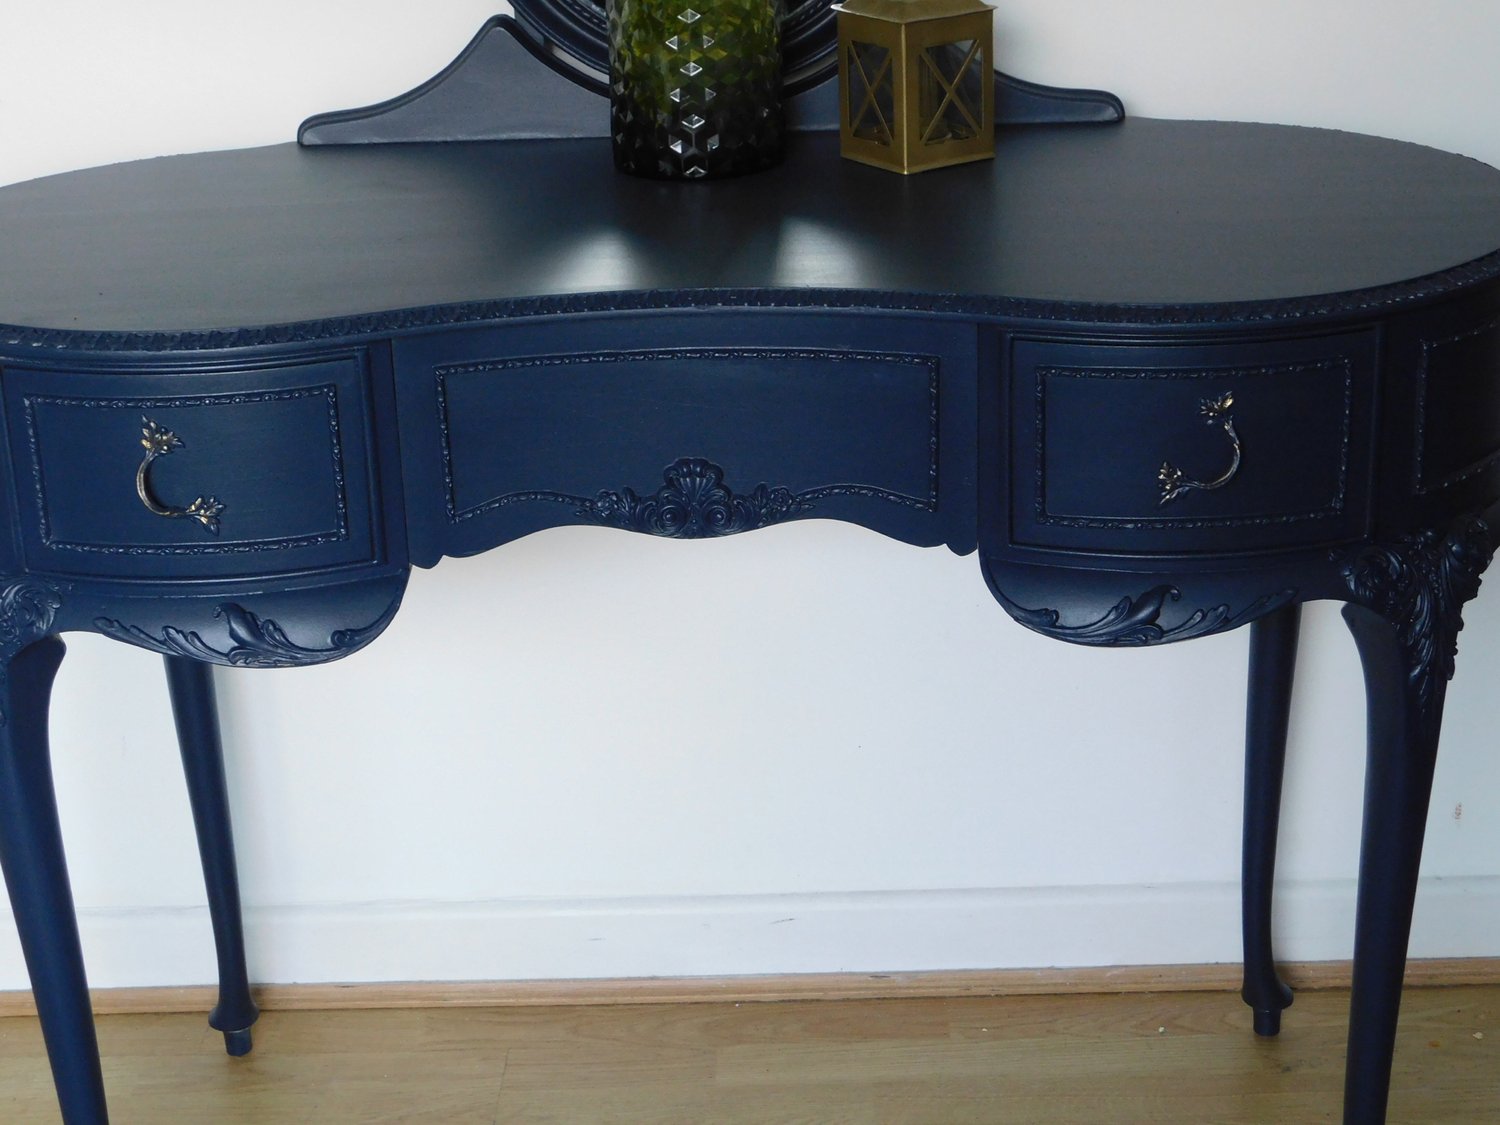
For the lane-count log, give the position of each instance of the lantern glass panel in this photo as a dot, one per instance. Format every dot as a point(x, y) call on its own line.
point(871, 92)
point(950, 91)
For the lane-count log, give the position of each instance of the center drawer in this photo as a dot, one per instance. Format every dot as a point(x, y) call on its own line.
point(1227, 447)
point(688, 425)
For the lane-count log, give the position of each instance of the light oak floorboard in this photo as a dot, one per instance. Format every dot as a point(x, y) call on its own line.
point(1100, 1060)
point(1427, 972)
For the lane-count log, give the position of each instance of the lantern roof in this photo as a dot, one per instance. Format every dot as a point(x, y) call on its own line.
point(911, 11)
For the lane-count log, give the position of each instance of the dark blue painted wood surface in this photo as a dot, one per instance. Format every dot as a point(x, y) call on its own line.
point(1072, 225)
point(429, 350)
point(1304, 409)
point(863, 418)
point(284, 447)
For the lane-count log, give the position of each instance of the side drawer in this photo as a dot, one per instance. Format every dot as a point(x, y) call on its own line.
point(1156, 449)
point(269, 463)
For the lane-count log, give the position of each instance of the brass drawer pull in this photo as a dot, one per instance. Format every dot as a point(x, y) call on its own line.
point(158, 443)
point(1215, 412)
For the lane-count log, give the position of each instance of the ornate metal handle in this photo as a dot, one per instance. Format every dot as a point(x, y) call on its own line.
point(1215, 412)
point(158, 443)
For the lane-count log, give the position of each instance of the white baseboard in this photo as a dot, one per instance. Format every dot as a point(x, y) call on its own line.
point(544, 939)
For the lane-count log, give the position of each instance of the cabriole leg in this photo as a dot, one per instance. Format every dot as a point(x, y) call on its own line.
point(1403, 726)
point(1406, 611)
point(196, 714)
point(1273, 661)
point(36, 876)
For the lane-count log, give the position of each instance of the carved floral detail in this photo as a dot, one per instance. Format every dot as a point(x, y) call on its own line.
point(694, 504)
point(27, 610)
point(255, 642)
point(1419, 583)
point(1135, 622)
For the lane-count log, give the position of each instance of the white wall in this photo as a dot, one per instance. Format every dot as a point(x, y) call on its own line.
point(593, 754)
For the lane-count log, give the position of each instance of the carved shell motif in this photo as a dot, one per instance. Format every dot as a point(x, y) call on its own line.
point(694, 504)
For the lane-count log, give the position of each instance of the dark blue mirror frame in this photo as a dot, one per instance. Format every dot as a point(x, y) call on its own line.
point(494, 91)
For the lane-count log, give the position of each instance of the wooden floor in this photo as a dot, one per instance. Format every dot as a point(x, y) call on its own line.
point(1159, 1058)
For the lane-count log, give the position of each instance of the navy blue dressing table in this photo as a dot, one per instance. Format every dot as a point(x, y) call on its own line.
point(1164, 378)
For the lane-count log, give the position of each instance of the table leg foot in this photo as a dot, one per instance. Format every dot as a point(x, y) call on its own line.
point(1267, 1021)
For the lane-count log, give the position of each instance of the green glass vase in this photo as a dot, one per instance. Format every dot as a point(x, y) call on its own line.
point(695, 86)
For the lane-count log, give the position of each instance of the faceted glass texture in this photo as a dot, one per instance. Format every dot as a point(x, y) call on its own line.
point(695, 88)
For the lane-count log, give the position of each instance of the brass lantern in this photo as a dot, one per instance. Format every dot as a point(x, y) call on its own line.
point(916, 84)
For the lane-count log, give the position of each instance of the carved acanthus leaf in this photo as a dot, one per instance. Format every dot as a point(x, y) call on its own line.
point(254, 641)
point(27, 610)
point(1133, 622)
point(1419, 583)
